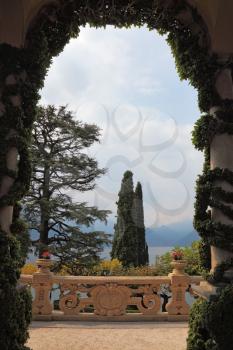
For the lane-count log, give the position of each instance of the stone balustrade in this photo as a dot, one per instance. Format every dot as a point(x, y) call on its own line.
point(115, 298)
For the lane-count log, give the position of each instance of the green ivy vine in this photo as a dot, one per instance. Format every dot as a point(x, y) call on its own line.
point(23, 71)
point(22, 75)
point(53, 28)
point(218, 275)
point(209, 192)
point(210, 322)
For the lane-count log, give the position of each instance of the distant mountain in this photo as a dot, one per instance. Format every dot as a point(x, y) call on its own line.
point(177, 234)
point(182, 227)
point(180, 234)
point(160, 237)
point(187, 240)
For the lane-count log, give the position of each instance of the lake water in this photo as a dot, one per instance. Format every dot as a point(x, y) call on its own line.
point(153, 252)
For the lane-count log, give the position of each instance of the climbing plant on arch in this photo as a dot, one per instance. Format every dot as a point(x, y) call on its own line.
point(22, 74)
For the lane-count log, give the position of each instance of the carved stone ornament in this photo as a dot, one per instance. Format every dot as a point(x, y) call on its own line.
point(111, 299)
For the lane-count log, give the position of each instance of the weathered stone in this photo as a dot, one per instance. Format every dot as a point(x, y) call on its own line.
point(110, 296)
point(42, 283)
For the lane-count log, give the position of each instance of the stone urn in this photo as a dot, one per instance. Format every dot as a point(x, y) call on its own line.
point(178, 268)
point(44, 265)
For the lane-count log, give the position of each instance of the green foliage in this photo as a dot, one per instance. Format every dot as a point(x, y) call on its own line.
point(59, 165)
point(204, 255)
point(198, 334)
point(190, 254)
point(15, 301)
point(218, 275)
point(124, 246)
point(194, 59)
point(192, 257)
point(129, 243)
point(14, 117)
point(163, 264)
point(191, 49)
point(80, 253)
point(207, 126)
point(209, 192)
point(200, 132)
point(46, 38)
point(138, 216)
point(115, 268)
point(210, 323)
point(19, 228)
point(219, 319)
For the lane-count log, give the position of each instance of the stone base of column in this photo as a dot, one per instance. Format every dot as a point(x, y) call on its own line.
point(218, 256)
point(207, 290)
point(229, 275)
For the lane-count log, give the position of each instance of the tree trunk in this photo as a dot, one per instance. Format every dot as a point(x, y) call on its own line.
point(44, 224)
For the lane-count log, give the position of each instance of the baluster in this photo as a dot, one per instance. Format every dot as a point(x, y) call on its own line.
point(180, 282)
point(42, 282)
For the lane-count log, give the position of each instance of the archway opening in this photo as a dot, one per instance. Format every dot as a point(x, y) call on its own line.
point(126, 82)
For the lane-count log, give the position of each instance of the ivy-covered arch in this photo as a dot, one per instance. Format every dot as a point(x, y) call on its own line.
point(25, 68)
point(59, 21)
point(22, 75)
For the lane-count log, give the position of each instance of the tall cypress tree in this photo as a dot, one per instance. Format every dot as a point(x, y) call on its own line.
point(138, 212)
point(129, 245)
point(125, 243)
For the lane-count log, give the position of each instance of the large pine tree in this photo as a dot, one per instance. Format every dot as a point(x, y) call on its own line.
point(129, 244)
point(61, 169)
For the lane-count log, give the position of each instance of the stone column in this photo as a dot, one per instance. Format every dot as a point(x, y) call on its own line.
point(42, 283)
point(16, 123)
point(221, 156)
point(11, 41)
point(180, 282)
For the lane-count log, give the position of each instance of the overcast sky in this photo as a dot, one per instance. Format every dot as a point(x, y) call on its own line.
point(125, 81)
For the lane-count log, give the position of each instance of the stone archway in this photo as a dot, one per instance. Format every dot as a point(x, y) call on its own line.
point(40, 29)
point(47, 26)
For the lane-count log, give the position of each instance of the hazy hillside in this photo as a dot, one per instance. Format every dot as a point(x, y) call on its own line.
point(181, 234)
point(187, 240)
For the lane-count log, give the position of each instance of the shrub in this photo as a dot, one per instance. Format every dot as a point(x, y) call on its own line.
point(108, 267)
point(190, 254)
point(210, 323)
point(15, 302)
point(114, 268)
point(29, 269)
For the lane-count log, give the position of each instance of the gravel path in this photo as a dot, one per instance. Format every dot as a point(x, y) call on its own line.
point(107, 336)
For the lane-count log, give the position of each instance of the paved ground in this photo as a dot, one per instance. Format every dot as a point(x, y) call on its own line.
point(107, 336)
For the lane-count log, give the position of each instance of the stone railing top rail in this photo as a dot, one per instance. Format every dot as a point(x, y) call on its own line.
point(112, 279)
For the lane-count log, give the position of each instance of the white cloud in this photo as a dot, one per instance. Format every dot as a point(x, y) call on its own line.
point(121, 80)
point(167, 170)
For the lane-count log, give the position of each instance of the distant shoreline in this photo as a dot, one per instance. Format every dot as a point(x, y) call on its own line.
point(153, 252)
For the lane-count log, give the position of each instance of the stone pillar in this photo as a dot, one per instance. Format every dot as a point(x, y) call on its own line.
point(180, 282)
point(11, 41)
point(221, 156)
point(42, 284)
point(14, 133)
